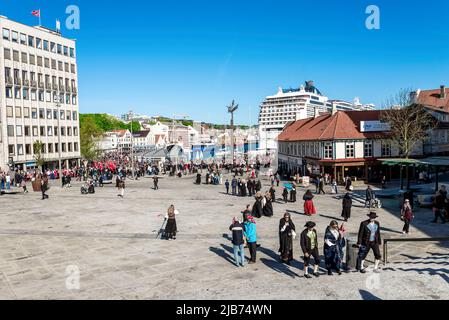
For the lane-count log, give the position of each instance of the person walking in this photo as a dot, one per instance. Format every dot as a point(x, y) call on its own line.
point(44, 187)
point(285, 194)
point(406, 216)
point(369, 238)
point(268, 205)
point(348, 184)
point(273, 194)
point(234, 184)
point(309, 207)
point(369, 197)
point(347, 206)
point(227, 186)
point(334, 243)
point(23, 185)
point(293, 193)
point(250, 234)
point(238, 241)
point(156, 183)
point(171, 228)
point(286, 235)
point(321, 186)
point(246, 212)
point(439, 203)
point(121, 188)
point(309, 246)
point(258, 206)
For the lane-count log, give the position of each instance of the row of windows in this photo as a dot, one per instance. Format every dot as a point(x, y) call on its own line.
point(328, 150)
point(39, 61)
point(41, 131)
point(49, 148)
point(38, 43)
point(18, 77)
point(42, 96)
point(18, 112)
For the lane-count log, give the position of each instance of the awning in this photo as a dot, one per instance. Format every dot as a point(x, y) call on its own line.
point(432, 161)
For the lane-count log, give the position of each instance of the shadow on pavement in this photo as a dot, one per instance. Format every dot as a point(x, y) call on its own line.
point(368, 295)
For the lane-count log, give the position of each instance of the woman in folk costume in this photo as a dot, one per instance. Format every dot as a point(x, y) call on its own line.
point(171, 228)
point(309, 207)
point(286, 235)
point(347, 205)
point(268, 205)
point(334, 243)
point(258, 206)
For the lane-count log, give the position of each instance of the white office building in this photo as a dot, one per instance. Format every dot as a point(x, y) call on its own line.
point(39, 69)
point(296, 104)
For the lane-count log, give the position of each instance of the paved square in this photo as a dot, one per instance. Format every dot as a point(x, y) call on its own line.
point(111, 241)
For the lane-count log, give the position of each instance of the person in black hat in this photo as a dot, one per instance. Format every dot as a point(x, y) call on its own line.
point(369, 238)
point(309, 246)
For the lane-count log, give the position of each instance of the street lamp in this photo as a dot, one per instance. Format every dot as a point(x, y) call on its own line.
point(58, 105)
point(132, 144)
point(231, 109)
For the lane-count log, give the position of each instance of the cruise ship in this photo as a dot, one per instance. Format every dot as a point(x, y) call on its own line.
point(296, 104)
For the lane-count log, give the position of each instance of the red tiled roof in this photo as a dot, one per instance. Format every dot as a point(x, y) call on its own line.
point(431, 99)
point(341, 125)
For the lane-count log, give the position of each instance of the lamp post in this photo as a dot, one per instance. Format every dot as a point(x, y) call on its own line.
point(231, 109)
point(58, 105)
point(132, 145)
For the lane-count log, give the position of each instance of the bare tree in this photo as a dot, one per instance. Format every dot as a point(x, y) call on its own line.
point(410, 122)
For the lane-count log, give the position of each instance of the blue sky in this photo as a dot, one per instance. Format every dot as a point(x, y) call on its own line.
point(194, 57)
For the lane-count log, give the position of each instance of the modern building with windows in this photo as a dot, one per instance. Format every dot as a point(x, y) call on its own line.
point(342, 143)
point(296, 104)
point(38, 96)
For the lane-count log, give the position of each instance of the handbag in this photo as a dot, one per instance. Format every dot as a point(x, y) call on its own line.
point(293, 234)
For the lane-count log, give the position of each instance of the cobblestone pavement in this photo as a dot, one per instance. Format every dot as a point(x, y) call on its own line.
point(111, 242)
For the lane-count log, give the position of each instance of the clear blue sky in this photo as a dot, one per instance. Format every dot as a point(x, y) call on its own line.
point(194, 56)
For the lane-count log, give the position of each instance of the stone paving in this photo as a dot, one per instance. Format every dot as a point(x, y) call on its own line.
point(112, 243)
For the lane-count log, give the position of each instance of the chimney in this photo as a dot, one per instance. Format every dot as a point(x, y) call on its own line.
point(443, 92)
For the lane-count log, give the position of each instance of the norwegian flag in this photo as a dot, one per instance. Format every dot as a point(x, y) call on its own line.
point(36, 13)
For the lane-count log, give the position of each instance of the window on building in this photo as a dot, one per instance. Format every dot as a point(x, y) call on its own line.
point(49, 114)
point(26, 112)
point(17, 92)
point(69, 131)
point(368, 149)
point(46, 47)
point(63, 131)
point(34, 113)
point(23, 39)
point(75, 146)
point(6, 34)
point(10, 130)
point(56, 147)
point(41, 96)
point(75, 131)
point(27, 131)
point(386, 150)
point(66, 51)
point(32, 60)
point(72, 53)
point(8, 92)
point(25, 94)
point(20, 149)
point(7, 54)
point(41, 113)
point(75, 116)
point(49, 131)
point(59, 49)
point(74, 100)
point(31, 41)
point(35, 131)
point(28, 149)
point(328, 151)
point(33, 95)
point(53, 47)
point(63, 147)
point(16, 55)
point(40, 61)
point(42, 131)
point(18, 112)
point(69, 146)
point(72, 68)
point(9, 112)
point(19, 132)
point(15, 36)
point(11, 149)
point(50, 148)
point(38, 43)
point(350, 151)
point(24, 57)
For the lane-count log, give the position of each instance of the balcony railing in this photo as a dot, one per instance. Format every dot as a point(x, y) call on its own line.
point(61, 88)
point(55, 87)
point(17, 81)
point(34, 84)
point(9, 80)
point(41, 85)
point(26, 83)
point(48, 86)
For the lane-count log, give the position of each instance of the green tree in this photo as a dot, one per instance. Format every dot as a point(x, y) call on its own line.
point(38, 155)
point(90, 134)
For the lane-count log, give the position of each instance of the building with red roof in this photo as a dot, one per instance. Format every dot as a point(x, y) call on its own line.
point(342, 143)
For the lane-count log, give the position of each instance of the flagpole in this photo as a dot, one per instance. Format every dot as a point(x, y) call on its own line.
point(40, 24)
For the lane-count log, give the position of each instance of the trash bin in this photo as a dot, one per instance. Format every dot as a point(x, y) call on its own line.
point(351, 253)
